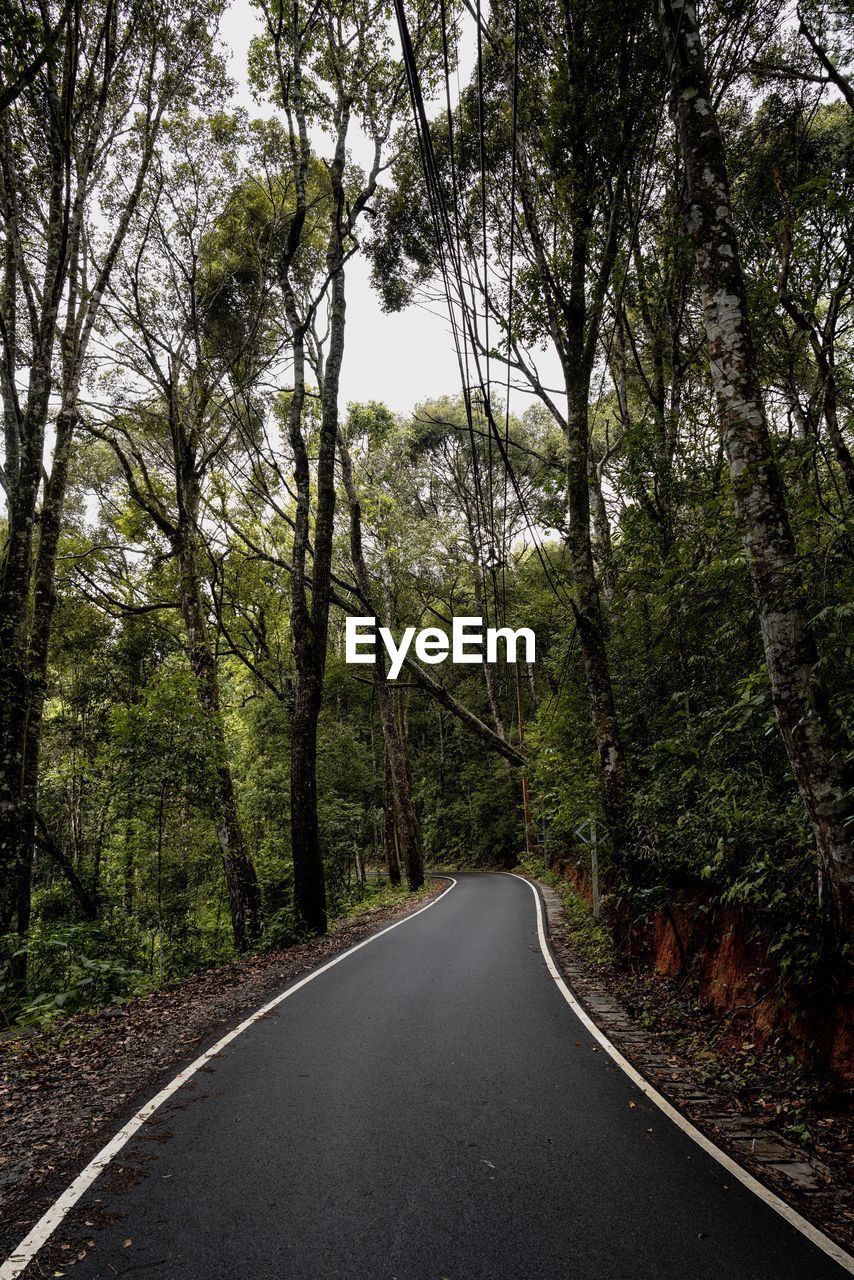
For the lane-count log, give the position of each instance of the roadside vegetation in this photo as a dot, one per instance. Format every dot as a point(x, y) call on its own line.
point(189, 770)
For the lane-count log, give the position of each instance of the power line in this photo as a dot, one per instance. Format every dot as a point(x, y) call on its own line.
point(444, 234)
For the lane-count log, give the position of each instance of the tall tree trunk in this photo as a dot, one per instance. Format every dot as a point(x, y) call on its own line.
point(44, 600)
point(309, 884)
point(603, 552)
point(13, 713)
point(800, 701)
point(488, 675)
point(589, 618)
point(574, 323)
point(77, 109)
point(309, 887)
point(406, 822)
point(391, 841)
point(241, 882)
point(15, 581)
point(829, 397)
point(310, 621)
point(398, 780)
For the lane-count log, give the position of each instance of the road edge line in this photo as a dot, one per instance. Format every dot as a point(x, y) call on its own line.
point(795, 1219)
point(21, 1257)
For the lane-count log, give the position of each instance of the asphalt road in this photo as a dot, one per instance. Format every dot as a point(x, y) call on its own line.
point(430, 1107)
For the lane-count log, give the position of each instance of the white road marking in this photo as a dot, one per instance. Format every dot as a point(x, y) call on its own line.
point(791, 1215)
point(47, 1224)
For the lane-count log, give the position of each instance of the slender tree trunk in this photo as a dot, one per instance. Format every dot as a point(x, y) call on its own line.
point(829, 397)
point(406, 822)
point(44, 601)
point(817, 757)
point(128, 873)
point(397, 771)
point(391, 843)
point(88, 901)
point(488, 674)
point(14, 695)
point(603, 553)
point(68, 106)
point(309, 883)
point(310, 623)
point(574, 324)
point(241, 881)
point(589, 618)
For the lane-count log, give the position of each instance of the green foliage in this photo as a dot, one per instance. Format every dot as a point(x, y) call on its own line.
point(71, 968)
point(198, 391)
point(592, 938)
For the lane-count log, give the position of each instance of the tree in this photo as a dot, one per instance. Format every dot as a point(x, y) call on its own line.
point(191, 326)
point(562, 145)
point(328, 69)
point(819, 756)
point(406, 830)
point(76, 140)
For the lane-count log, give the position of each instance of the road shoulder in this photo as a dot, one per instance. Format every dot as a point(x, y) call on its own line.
point(821, 1189)
point(63, 1093)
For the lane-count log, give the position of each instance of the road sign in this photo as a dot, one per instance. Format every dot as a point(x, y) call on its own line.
point(586, 833)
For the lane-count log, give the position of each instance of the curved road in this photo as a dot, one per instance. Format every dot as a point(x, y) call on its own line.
point(430, 1107)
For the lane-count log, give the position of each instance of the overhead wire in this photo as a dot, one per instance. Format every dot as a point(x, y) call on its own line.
point(645, 190)
point(443, 228)
point(485, 255)
point(469, 315)
point(482, 509)
point(513, 130)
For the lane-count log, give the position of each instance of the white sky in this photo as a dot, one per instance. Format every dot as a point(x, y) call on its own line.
point(400, 359)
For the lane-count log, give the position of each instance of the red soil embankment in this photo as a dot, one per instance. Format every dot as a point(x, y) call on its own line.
point(732, 971)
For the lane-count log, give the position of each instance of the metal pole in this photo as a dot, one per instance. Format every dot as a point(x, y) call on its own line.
point(594, 868)
point(526, 795)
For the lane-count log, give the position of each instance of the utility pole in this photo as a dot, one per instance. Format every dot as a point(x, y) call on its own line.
point(594, 868)
point(530, 842)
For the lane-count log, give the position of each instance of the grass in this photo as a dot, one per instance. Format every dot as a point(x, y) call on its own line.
point(372, 896)
point(591, 938)
point(764, 1079)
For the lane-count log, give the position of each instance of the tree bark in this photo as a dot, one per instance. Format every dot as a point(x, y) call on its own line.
point(602, 548)
point(827, 374)
point(816, 755)
point(76, 95)
point(573, 300)
point(241, 881)
point(406, 822)
point(88, 901)
point(391, 841)
point(589, 617)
